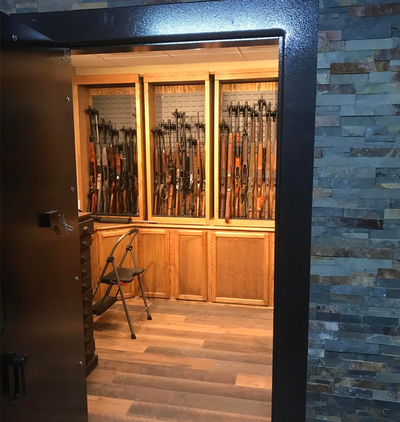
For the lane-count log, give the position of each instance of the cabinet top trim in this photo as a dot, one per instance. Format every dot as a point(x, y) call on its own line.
point(129, 78)
point(180, 77)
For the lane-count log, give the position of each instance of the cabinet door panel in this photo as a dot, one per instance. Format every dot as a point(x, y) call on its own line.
point(241, 270)
point(154, 258)
point(191, 264)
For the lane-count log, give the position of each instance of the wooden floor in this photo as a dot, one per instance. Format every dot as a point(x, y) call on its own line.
point(193, 362)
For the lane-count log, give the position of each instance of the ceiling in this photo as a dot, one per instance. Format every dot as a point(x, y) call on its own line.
point(170, 57)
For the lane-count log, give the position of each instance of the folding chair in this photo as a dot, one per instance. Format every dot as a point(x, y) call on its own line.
point(116, 277)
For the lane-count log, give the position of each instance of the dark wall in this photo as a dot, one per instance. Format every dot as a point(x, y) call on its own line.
point(354, 355)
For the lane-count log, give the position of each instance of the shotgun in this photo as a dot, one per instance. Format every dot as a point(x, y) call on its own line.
point(237, 110)
point(245, 159)
point(251, 167)
point(224, 128)
point(229, 167)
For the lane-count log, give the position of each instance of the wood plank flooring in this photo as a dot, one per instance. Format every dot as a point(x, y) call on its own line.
point(194, 362)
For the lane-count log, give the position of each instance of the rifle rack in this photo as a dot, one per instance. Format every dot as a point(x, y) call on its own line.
point(85, 88)
point(243, 86)
point(163, 93)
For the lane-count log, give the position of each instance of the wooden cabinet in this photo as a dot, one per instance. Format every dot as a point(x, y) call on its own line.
point(191, 263)
point(153, 254)
point(128, 87)
point(189, 93)
point(242, 267)
point(241, 87)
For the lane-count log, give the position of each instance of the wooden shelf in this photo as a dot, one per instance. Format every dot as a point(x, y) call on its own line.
point(84, 88)
point(177, 83)
point(237, 81)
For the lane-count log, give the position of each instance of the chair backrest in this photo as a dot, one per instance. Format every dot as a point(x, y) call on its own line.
point(132, 233)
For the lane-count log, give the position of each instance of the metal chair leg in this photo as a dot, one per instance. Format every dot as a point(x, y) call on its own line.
point(144, 299)
point(128, 318)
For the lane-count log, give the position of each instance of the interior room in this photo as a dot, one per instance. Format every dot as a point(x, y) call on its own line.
point(177, 150)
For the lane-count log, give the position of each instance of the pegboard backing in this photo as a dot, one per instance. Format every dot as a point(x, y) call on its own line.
point(120, 109)
point(189, 102)
point(250, 96)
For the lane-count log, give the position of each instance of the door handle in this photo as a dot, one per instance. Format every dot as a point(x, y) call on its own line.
point(17, 363)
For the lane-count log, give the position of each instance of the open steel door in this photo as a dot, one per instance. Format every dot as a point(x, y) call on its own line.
point(42, 348)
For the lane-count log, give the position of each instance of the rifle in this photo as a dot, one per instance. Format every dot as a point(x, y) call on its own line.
point(113, 205)
point(199, 169)
point(245, 159)
point(184, 165)
point(105, 168)
point(179, 172)
point(229, 167)
point(99, 186)
point(274, 144)
point(163, 187)
point(118, 206)
point(251, 169)
point(135, 173)
point(125, 158)
point(192, 143)
point(224, 128)
point(267, 171)
point(157, 171)
point(92, 203)
point(171, 171)
point(237, 110)
point(260, 156)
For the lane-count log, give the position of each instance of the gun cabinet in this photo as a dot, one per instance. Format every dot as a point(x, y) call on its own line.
point(178, 147)
point(245, 148)
point(109, 145)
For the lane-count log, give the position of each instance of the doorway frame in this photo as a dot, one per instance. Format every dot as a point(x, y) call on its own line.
point(139, 28)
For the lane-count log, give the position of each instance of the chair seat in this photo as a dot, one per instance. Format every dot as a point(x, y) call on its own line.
point(126, 275)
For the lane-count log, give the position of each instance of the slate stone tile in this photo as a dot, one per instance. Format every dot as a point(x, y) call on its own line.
point(327, 121)
point(355, 300)
point(357, 67)
point(375, 152)
point(389, 54)
point(337, 89)
point(328, 131)
point(333, 99)
point(374, 10)
point(389, 350)
point(366, 110)
point(350, 346)
point(375, 77)
point(353, 130)
point(383, 321)
point(359, 290)
point(356, 223)
point(324, 316)
point(329, 35)
point(389, 273)
point(380, 254)
point(326, 46)
point(392, 214)
point(369, 44)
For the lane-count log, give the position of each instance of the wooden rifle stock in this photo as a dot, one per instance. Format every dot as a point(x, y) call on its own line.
point(229, 178)
point(199, 178)
point(251, 169)
point(178, 179)
point(157, 174)
point(118, 183)
point(237, 175)
point(222, 188)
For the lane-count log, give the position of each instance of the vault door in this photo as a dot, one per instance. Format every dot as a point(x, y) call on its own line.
point(42, 328)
